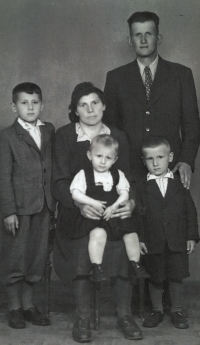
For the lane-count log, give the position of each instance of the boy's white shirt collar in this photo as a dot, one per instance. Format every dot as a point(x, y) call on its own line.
point(83, 137)
point(153, 67)
point(169, 174)
point(27, 126)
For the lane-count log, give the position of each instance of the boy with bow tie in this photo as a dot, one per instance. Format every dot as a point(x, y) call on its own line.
point(169, 230)
point(25, 203)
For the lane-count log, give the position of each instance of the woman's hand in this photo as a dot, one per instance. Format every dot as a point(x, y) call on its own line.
point(88, 211)
point(125, 210)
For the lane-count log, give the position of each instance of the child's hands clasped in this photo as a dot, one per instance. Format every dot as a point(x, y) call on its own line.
point(11, 223)
point(108, 212)
point(100, 205)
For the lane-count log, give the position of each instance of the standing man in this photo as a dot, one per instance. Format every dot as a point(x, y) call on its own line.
point(154, 96)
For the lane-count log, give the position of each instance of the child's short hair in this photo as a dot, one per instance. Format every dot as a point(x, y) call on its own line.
point(106, 140)
point(154, 141)
point(80, 90)
point(28, 88)
point(141, 17)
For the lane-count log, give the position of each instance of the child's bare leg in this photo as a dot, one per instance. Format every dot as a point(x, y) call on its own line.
point(132, 246)
point(96, 246)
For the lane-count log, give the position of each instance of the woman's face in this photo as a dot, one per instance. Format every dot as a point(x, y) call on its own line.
point(90, 109)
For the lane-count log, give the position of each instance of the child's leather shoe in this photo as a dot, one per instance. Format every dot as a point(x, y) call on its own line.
point(154, 319)
point(137, 270)
point(36, 317)
point(16, 319)
point(179, 321)
point(96, 274)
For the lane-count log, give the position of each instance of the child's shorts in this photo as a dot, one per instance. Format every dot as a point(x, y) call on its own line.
point(168, 265)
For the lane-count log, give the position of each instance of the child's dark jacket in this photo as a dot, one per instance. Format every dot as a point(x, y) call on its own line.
point(171, 219)
point(25, 171)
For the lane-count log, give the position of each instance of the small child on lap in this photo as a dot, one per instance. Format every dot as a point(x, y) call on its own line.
point(105, 188)
point(169, 232)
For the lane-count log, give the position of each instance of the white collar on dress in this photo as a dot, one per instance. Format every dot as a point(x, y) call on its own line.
point(82, 136)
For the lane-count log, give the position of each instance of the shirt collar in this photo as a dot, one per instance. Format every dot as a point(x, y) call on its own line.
point(152, 66)
point(82, 136)
point(27, 126)
point(169, 174)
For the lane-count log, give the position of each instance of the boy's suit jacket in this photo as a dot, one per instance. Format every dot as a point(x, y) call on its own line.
point(172, 218)
point(172, 105)
point(25, 171)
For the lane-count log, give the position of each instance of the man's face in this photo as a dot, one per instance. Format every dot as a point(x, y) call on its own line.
point(145, 39)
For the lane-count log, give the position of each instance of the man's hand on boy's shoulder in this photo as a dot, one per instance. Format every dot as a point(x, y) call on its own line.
point(185, 172)
point(11, 223)
point(191, 245)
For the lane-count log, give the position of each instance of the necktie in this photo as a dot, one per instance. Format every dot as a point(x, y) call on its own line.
point(148, 81)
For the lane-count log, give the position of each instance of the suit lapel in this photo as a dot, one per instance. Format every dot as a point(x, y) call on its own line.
point(160, 83)
point(172, 189)
point(25, 135)
point(135, 83)
point(44, 137)
point(152, 188)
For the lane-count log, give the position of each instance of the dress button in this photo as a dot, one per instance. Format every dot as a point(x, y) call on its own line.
point(147, 112)
point(147, 129)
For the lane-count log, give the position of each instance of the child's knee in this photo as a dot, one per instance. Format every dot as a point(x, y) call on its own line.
point(98, 234)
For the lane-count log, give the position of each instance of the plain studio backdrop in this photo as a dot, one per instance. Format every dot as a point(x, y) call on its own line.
point(60, 43)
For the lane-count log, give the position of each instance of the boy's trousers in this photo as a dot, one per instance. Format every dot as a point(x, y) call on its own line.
point(23, 256)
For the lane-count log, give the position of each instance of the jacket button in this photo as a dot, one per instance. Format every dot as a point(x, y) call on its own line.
point(148, 113)
point(147, 129)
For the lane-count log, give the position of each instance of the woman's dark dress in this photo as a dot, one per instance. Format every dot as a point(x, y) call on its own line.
point(71, 257)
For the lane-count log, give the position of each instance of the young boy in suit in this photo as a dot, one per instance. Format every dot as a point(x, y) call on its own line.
point(169, 232)
point(25, 203)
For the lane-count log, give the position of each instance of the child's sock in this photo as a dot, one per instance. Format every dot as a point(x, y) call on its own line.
point(137, 270)
point(13, 291)
point(27, 296)
point(176, 292)
point(156, 292)
point(97, 274)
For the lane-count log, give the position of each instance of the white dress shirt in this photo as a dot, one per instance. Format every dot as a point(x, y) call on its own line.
point(162, 182)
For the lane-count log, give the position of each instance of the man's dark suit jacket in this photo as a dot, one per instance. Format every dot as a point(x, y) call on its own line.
point(172, 218)
point(171, 112)
point(25, 171)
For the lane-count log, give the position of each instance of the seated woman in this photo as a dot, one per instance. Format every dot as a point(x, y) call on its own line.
point(71, 257)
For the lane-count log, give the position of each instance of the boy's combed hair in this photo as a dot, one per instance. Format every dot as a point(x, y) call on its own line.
point(26, 87)
point(141, 17)
point(154, 141)
point(82, 89)
point(106, 140)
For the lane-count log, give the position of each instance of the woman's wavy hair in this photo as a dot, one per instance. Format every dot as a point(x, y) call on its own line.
point(82, 89)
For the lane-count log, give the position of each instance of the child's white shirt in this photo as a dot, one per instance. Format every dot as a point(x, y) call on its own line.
point(105, 179)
